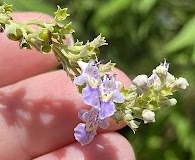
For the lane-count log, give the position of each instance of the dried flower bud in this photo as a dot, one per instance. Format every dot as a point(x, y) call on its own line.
point(134, 125)
point(148, 116)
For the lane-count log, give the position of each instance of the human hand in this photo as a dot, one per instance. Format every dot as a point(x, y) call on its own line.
point(38, 110)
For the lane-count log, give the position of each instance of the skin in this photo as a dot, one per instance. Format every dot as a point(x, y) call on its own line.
point(38, 109)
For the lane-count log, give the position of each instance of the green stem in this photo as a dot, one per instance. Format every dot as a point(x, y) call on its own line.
point(65, 62)
point(26, 27)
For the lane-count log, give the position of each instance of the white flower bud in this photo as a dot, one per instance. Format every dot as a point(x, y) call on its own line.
point(161, 70)
point(167, 102)
point(172, 101)
point(141, 81)
point(148, 116)
point(180, 83)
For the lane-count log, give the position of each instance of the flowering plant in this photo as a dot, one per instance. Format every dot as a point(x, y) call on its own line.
point(96, 81)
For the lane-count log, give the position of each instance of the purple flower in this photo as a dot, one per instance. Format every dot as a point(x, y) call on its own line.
point(109, 94)
point(90, 74)
point(84, 133)
point(91, 77)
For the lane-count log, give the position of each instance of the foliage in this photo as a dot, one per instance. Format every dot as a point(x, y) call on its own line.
point(140, 34)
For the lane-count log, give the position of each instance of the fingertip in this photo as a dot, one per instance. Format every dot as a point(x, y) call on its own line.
point(105, 146)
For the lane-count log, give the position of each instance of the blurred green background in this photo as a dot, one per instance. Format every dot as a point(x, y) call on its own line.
point(141, 33)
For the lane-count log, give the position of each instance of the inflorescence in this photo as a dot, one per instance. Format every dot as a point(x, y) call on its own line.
point(100, 90)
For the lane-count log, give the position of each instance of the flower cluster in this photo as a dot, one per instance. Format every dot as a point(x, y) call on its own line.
point(101, 94)
point(106, 96)
point(147, 95)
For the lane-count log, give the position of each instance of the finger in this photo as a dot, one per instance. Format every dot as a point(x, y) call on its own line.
point(17, 64)
point(105, 146)
point(39, 114)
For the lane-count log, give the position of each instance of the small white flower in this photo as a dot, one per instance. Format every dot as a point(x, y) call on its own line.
point(148, 116)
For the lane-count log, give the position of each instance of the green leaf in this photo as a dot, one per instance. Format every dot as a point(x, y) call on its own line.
point(184, 38)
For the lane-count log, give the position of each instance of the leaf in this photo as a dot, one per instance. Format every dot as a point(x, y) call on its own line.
point(184, 38)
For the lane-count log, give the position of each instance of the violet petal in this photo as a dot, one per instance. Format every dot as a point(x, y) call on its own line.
point(83, 114)
point(107, 109)
point(82, 136)
point(118, 97)
point(91, 96)
point(80, 80)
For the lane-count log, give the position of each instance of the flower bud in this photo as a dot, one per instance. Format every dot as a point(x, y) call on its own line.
point(165, 102)
point(128, 115)
point(172, 101)
point(141, 81)
point(180, 83)
point(148, 116)
point(118, 116)
point(44, 35)
point(161, 70)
